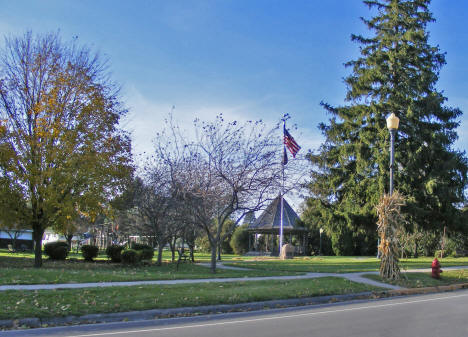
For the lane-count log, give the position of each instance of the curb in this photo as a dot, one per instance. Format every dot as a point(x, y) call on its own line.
point(216, 309)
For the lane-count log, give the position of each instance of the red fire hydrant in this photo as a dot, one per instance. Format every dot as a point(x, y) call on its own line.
point(436, 269)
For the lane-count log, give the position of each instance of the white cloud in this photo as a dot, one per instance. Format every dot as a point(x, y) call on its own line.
point(147, 116)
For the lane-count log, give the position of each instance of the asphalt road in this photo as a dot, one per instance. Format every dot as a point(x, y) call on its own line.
point(442, 314)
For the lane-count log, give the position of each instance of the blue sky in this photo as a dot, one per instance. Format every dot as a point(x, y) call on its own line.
point(247, 59)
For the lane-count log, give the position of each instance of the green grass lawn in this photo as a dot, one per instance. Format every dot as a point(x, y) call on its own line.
point(17, 269)
point(324, 264)
point(421, 280)
point(339, 264)
point(63, 302)
point(167, 256)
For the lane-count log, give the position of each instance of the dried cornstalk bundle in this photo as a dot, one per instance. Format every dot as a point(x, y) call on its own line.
point(390, 219)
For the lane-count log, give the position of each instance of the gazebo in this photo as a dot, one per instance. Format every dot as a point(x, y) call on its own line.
point(268, 226)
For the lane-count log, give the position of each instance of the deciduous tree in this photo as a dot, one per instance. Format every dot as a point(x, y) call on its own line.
point(235, 170)
point(62, 150)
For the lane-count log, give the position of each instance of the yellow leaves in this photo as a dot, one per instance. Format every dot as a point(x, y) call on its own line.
point(65, 146)
point(3, 124)
point(431, 185)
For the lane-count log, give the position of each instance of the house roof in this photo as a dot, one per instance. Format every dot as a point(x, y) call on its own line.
point(270, 220)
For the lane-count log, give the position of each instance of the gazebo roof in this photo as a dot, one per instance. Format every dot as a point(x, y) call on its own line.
point(270, 220)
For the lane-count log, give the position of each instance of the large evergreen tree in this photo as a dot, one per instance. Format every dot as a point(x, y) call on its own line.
point(396, 72)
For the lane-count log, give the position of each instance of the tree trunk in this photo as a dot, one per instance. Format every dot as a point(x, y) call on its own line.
point(192, 255)
point(191, 244)
point(37, 235)
point(213, 257)
point(13, 238)
point(219, 251)
point(13, 242)
point(172, 248)
point(172, 244)
point(182, 249)
point(173, 255)
point(69, 238)
point(160, 253)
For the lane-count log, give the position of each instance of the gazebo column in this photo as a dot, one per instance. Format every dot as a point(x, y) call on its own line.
point(250, 237)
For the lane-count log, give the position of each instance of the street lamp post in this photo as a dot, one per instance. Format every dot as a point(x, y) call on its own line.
point(320, 249)
point(392, 125)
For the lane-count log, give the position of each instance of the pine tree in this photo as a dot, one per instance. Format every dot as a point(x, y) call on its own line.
point(397, 72)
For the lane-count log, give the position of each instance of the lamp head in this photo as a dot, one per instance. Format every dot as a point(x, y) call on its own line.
point(392, 122)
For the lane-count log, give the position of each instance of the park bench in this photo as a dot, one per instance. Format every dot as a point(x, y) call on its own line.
point(182, 257)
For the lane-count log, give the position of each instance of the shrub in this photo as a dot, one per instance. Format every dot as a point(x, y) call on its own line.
point(240, 240)
point(89, 252)
point(130, 256)
point(226, 246)
point(59, 253)
point(140, 246)
point(114, 252)
point(146, 251)
point(146, 254)
point(57, 250)
point(454, 254)
point(438, 253)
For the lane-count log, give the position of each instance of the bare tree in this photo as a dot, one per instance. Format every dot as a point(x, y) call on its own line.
point(228, 171)
point(234, 170)
point(14, 232)
point(154, 203)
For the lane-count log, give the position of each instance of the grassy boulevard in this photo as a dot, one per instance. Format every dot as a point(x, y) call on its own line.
point(421, 280)
point(17, 269)
point(63, 302)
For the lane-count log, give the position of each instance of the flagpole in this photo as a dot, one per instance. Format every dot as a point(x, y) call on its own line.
point(293, 147)
point(282, 192)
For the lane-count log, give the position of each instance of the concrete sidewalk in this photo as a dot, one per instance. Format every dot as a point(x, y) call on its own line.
point(355, 277)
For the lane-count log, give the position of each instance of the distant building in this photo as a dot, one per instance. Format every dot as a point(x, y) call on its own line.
point(266, 229)
point(21, 238)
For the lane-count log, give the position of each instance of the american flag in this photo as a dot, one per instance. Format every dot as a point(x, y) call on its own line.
point(290, 143)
